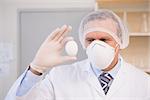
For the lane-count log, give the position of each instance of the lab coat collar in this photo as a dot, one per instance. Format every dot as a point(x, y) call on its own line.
point(112, 72)
point(87, 66)
point(119, 80)
point(116, 84)
point(91, 78)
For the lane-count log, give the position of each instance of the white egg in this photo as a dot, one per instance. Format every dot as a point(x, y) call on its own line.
point(71, 48)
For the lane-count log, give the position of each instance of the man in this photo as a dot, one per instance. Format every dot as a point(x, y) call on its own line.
point(103, 76)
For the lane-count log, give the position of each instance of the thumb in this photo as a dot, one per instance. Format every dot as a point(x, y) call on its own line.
point(68, 58)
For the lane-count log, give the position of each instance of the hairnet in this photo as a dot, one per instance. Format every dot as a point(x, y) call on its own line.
point(121, 36)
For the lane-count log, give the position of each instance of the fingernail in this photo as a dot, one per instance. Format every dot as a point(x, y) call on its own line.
point(64, 26)
point(70, 27)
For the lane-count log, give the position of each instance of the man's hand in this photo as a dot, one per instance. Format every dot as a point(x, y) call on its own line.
point(49, 54)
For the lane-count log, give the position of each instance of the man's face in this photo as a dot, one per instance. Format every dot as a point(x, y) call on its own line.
point(102, 36)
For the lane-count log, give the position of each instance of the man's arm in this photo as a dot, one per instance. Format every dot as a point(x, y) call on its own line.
point(42, 90)
point(29, 80)
point(48, 56)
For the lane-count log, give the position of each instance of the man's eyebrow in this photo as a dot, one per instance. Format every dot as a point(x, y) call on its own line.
point(88, 38)
point(106, 37)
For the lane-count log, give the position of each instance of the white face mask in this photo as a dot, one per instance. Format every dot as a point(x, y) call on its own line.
point(100, 54)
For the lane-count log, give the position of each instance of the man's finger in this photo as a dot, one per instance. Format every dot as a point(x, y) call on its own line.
point(68, 58)
point(63, 36)
point(62, 30)
point(69, 28)
point(53, 34)
point(65, 40)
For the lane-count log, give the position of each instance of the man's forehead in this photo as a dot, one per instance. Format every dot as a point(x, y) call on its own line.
point(108, 24)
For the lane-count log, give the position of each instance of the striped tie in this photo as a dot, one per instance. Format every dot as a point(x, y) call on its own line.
point(105, 80)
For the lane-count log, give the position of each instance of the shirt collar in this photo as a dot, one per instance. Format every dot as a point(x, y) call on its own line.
point(112, 72)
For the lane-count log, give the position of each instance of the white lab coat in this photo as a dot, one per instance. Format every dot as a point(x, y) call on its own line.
point(76, 82)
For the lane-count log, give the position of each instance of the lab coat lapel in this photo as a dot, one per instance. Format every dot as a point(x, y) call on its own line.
point(92, 79)
point(118, 81)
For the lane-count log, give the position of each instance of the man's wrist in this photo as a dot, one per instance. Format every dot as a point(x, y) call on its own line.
point(34, 71)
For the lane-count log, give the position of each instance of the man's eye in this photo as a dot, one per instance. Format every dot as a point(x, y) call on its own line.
point(90, 40)
point(103, 40)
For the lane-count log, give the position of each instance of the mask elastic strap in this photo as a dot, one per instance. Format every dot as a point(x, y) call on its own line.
point(116, 46)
